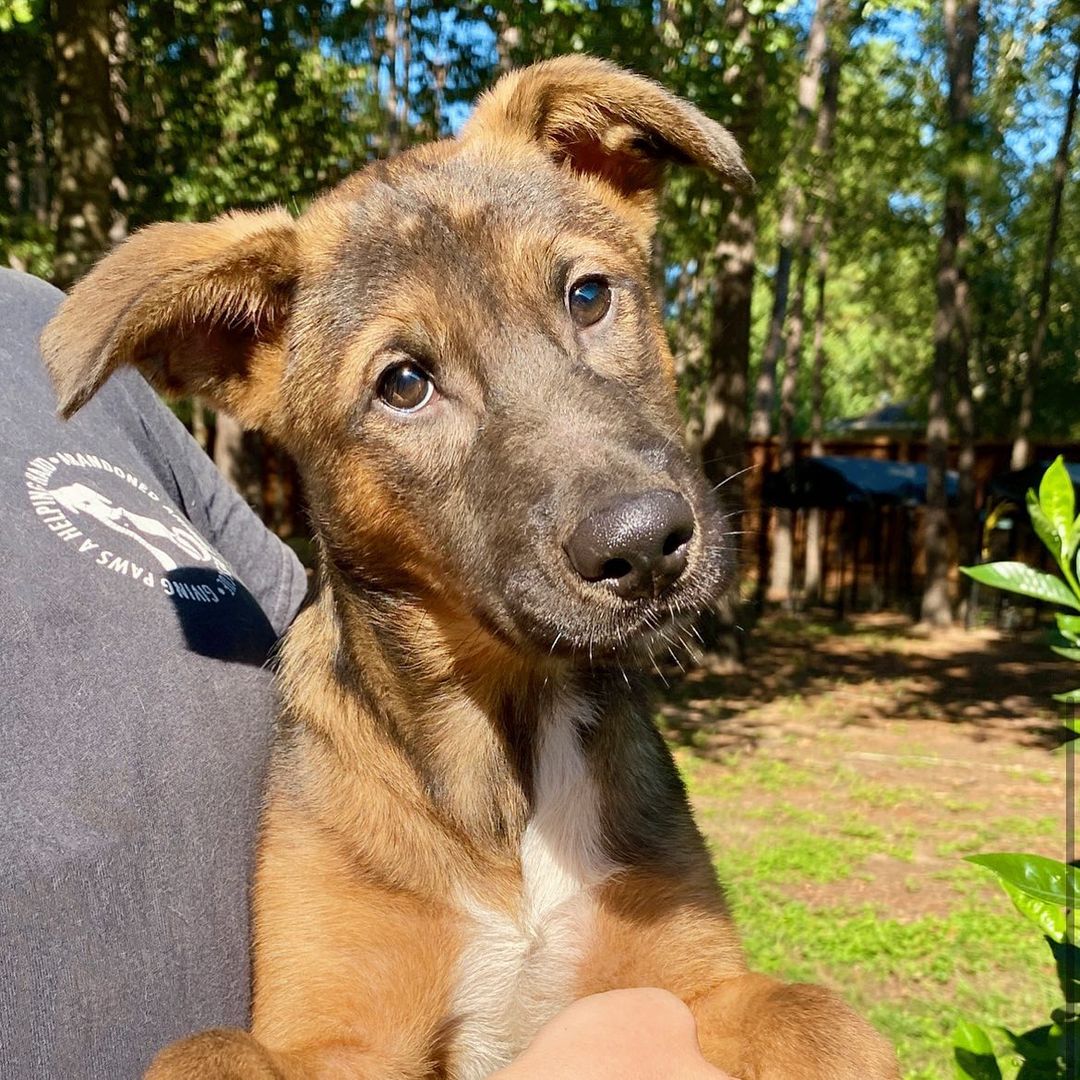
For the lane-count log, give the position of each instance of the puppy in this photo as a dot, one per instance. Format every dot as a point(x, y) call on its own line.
point(471, 820)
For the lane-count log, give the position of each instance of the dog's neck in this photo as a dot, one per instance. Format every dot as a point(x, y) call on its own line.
point(421, 700)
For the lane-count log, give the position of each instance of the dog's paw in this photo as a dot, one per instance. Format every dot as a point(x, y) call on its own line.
point(223, 1054)
point(759, 1029)
point(812, 1034)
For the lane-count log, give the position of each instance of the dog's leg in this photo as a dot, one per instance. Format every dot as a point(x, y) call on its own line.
point(228, 1054)
point(216, 1055)
point(671, 930)
point(757, 1028)
point(351, 978)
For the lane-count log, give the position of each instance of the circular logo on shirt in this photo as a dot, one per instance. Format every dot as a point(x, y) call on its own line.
point(118, 524)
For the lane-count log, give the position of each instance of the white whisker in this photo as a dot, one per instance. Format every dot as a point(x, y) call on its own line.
point(734, 476)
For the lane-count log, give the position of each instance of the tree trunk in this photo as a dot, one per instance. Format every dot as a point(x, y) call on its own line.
point(200, 431)
point(723, 443)
point(508, 38)
point(1022, 450)
point(967, 519)
point(807, 96)
point(723, 439)
point(85, 132)
point(404, 120)
point(390, 44)
point(39, 169)
point(952, 326)
point(812, 583)
point(120, 49)
point(782, 563)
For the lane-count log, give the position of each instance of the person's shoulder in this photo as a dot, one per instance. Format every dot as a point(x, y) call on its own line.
point(15, 284)
point(26, 304)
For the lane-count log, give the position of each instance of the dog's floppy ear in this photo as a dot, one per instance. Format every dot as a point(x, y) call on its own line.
point(606, 123)
point(197, 308)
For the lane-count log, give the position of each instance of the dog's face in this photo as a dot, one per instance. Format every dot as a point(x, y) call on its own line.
point(487, 343)
point(463, 350)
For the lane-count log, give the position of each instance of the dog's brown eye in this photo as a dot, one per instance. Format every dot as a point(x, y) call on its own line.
point(406, 387)
point(588, 300)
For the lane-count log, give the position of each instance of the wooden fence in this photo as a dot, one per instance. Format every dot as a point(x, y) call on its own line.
point(872, 557)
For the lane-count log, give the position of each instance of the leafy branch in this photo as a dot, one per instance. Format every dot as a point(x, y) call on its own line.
point(1043, 890)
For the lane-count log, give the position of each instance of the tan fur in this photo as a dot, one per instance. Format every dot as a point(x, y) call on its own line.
point(207, 324)
point(595, 116)
point(441, 797)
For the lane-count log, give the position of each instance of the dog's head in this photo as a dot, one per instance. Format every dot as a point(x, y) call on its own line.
point(463, 350)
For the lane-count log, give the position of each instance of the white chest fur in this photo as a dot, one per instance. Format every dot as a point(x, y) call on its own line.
point(516, 973)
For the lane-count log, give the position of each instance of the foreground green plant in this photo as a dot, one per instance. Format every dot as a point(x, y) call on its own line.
point(1043, 890)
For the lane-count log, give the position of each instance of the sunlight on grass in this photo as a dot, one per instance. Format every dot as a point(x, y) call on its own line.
point(757, 774)
point(791, 854)
point(793, 858)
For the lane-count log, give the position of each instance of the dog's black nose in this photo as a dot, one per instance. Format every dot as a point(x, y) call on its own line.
point(638, 543)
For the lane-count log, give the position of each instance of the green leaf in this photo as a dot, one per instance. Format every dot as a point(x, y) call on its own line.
point(1069, 654)
point(14, 11)
point(1068, 626)
point(1045, 529)
point(1035, 875)
point(974, 1053)
point(1070, 697)
point(1058, 500)
point(1049, 918)
point(1018, 578)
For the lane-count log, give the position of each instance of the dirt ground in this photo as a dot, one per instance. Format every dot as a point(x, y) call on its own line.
point(841, 778)
point(964, 717)
point(801, 674)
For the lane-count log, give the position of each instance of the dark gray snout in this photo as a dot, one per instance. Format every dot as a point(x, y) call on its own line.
point(638, 543)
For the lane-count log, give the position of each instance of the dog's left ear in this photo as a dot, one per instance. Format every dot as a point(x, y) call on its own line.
point(608, 124)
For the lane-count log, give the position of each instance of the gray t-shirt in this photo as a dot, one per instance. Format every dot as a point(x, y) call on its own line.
point(140, 599)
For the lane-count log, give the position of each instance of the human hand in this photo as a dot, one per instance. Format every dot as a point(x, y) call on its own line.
point(640, 1034)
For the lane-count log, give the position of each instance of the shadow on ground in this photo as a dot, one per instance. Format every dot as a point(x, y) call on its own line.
point(805, 673)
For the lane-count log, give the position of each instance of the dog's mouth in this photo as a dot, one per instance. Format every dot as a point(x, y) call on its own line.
point(638, 629)
point(642, 631)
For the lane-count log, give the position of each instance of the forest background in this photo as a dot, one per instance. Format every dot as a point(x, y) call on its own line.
point(912, 244)
point(912, 238)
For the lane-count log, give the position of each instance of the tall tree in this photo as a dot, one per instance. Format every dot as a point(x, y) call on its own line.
point(723, 441)
point(1022, 451)
point(812, 580)
point(839, 26)
point(952, 322)
point(806, 110)
point(85, 133)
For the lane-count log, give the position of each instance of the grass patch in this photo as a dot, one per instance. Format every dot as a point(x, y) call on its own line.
point(782, 836)
point(994, 833)
point(791, 855)
point(734, 775)
point(865, 764)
